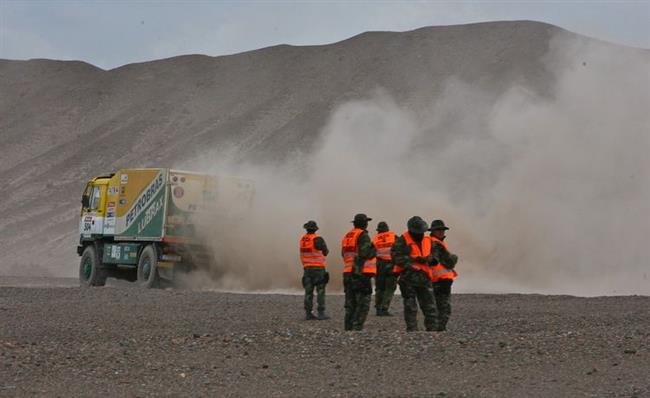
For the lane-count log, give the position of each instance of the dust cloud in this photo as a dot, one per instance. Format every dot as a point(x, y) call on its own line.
point(543, 193)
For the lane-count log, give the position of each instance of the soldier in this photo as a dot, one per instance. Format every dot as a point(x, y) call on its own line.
point(359, 267)
point(413, 260)
point(443, 274)
point(386, 280)
point(313, 251)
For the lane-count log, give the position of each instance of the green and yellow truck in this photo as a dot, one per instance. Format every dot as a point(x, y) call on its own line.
point(139, 224)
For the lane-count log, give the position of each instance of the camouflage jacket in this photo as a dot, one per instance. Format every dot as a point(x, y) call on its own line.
point(401, 253)
point(365, 249)
point(319, 244)
point(444, 257)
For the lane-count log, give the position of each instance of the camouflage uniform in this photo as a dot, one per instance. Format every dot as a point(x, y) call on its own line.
point(385, 281)
point(358, 290)
point(385, 285)
point(358, 287)
point(442, 288)
point(315, 277)
point(414, 285)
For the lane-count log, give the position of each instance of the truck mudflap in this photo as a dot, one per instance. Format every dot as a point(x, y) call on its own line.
point(188, 256)
point(184, 259)
point(166, 270)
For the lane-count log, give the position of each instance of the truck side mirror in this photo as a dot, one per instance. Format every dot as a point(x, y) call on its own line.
point(85, 201)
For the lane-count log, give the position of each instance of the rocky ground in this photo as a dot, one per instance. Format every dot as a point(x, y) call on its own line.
point(122, 341)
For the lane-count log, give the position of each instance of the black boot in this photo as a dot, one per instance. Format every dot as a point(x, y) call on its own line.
point(322, 316)
point(383, 312)
point(310, 316)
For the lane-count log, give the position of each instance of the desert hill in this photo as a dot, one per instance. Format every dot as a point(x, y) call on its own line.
point(62, 122)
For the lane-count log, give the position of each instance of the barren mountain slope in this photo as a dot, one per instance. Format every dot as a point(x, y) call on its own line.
point(62, 122)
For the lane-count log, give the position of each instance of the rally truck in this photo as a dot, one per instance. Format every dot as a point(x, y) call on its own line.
point(139, 224)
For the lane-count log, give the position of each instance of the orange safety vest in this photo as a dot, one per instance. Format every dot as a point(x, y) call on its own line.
point(416, 252)
point(309, 255)
point(439, 271)
point(383, 242)
point(349, 251)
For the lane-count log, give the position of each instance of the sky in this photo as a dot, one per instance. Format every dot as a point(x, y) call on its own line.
point(110, 34)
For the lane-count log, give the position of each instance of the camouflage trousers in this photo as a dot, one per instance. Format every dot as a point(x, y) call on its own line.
point(385, 284)
point(416, 289)
point(358, 290)
point(314, 277)
point(442, 293)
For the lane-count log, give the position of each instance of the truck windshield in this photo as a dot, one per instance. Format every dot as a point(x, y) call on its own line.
point(94, 198)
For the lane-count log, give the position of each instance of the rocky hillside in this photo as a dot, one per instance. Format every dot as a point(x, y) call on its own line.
point(62, 122)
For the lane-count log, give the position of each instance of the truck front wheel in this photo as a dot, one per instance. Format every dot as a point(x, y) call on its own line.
point(148, 268)
point(90, 270)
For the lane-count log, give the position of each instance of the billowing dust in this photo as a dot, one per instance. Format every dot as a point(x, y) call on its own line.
point(543, 194)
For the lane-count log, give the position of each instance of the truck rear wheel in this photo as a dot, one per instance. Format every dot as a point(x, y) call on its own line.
point(90, 269)
point(148, 268)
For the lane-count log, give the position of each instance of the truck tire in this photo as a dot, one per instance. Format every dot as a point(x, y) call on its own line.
point(148, 268)
point(90, 269)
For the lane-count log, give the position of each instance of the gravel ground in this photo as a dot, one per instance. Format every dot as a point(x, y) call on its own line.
point(122, 341)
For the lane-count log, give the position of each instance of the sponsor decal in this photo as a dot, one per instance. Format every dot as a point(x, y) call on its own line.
point(110, 209)
point(112, 191)
point(124, 179)
point(123, 201)
point(145, 199)
point(87, 224)
point(149, 214)
point(115, 251)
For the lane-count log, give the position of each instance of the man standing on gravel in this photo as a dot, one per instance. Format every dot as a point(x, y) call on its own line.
point(386, 280)
point(359, 267)
point(413, 260)
point(443, 274)
point(313, 251)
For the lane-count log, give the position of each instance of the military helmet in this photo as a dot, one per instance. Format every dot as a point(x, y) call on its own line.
point(310, 225)
point(382, 226)
point(438, 225)
point(416, 225)
point(361, 218)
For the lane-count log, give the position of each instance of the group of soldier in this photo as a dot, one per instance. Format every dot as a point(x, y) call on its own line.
point(420, 263)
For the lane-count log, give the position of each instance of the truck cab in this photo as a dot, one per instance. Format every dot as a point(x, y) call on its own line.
point(93, 207)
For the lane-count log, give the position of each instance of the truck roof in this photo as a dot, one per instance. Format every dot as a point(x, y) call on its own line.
point(103, 177)
point(158, 168)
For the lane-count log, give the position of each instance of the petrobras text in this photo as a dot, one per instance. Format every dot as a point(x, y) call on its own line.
point(144, 199)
